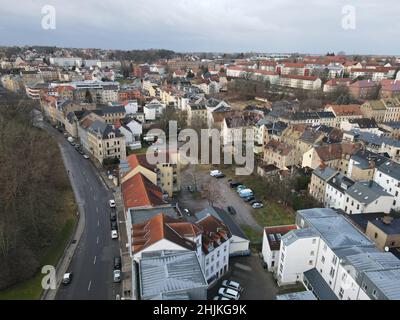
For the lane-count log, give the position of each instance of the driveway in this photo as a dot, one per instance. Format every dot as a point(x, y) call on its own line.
point(229, 196)
point(258, 283)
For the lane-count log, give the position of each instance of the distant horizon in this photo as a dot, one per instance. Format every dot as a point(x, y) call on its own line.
point(204, 52)
point(359, 27)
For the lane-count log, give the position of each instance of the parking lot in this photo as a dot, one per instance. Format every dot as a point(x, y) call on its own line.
point(229, 196)
point(258, 284)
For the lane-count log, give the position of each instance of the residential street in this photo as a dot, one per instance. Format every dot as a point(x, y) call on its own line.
point(92, 263)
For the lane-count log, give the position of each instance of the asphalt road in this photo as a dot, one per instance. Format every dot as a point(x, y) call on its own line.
point(92, 263)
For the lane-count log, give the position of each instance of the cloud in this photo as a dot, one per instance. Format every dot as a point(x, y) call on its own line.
point(311, 26)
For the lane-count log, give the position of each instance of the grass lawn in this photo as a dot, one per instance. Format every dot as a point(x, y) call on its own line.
point(32, 288)
point(254, 236)
point(272, 214)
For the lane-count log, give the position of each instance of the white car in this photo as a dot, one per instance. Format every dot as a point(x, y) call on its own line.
point(112, 203)
point(214, 173)
point(86, 156)
point(117, 275)
point(257, 205)
point(232, 285)
point(110, 177)
point(229, 293)
point(67, 278)
point(114, 234)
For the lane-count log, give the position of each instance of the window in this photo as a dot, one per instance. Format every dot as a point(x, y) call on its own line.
point(312, 253)
point(376, 235)
point(310, 262)
point(334, 260)
point(364, 286)
point(325, 247)
point(374, 293)
point(323, 259)
point(332, 272)
point(341, 292)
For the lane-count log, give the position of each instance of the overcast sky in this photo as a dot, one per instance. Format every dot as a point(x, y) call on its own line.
point(306, 26)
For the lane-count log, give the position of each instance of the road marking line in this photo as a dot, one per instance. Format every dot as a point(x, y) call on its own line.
point(94, 198)
point(97, 241)
point(90, 283)
point(94, 262)
point(98, 222)
point(97, 209)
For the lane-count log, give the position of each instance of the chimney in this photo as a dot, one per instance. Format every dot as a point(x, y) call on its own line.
point(387, 219)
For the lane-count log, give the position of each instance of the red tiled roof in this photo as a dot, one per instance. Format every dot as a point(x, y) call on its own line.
point(135, 160)
point(157, 228)
point(138, 191)
point(345, 110)
point(214, 232)
point(294, 65)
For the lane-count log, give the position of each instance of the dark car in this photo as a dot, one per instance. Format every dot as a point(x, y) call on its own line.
point(219, 176)
point(117, 263)
point(231, 210)
point(255, 201)
point(114, 225)
point(248, 199)
point(113, 216)
point(234, 184)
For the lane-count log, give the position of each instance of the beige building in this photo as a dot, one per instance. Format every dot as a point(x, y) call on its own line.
point(105, 142)
point(319, 178)
point(374, 109)
point(166, 174)
point(279, 154)
point(385, 232)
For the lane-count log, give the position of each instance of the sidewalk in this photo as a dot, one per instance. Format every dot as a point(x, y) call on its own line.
point(69, 251)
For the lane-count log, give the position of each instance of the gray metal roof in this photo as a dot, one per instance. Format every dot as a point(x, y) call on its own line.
point(388, 282)
point(303, 295)
point(372, 261)
point(168, 272)
point(325, 173)
point(297, 234)
point(336, 231)
point(143, 215)
point(364, 157)
point(366, 191)
point(391, 168)
point(319, 287)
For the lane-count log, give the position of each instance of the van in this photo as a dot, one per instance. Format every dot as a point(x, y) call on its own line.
point(246, 193)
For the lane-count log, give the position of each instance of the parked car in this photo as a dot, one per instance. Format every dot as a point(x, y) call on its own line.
point(86, 156)
point(117, 263)
point(114, 234)
point(219, 176)
point(221, 298)
point(117, 275)
point(231, 210)
point(246, 193)
point(241, 187)
point(229, 293)
point(234, 184)
point(257, 205)
point(255, 201)
point(112, 203)
point(249, 198)
point(214, 173)
point(113, 216)
point(232, 285)
point(114, 225)
point(187, 212)
point(67, 278)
